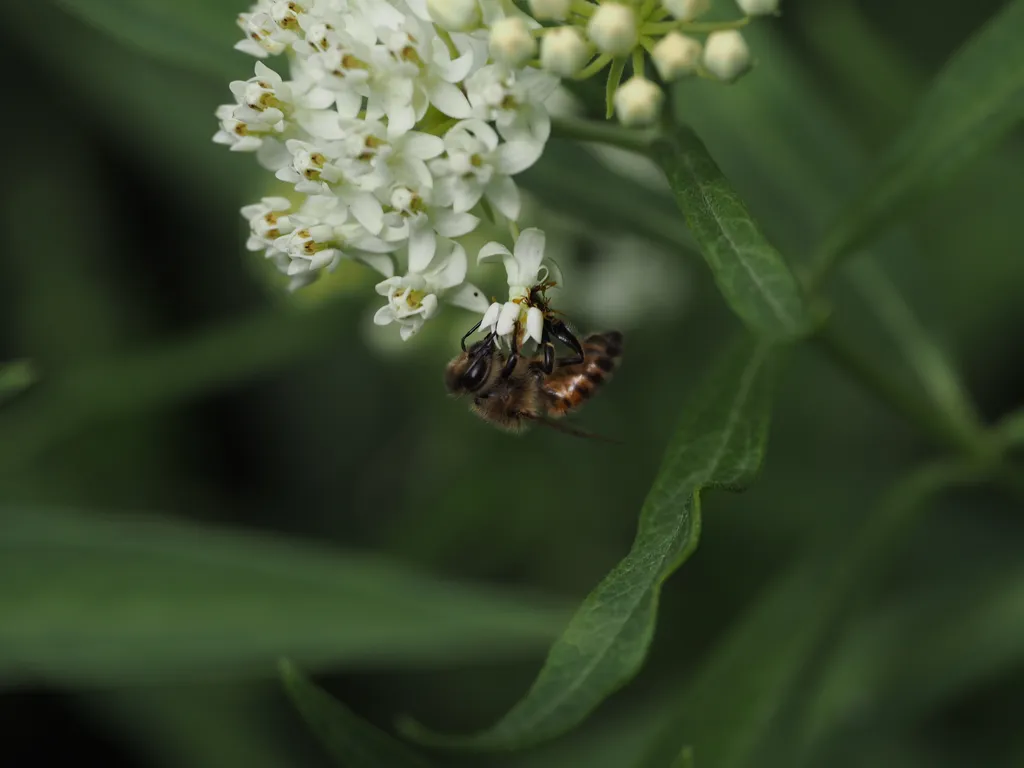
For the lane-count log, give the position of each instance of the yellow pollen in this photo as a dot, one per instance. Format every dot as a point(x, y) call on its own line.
point(476, 161)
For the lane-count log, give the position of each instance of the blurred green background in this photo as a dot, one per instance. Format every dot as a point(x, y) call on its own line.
point(121, 235)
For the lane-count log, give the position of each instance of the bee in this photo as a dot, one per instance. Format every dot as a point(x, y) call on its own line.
point(512, 391)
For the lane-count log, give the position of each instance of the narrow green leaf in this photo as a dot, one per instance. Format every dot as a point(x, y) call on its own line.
point(719, 444)
point(750, 682)
point(749, 271)
point(971, 104)
point(102, 598)
point(197, 34)
point(349, 739)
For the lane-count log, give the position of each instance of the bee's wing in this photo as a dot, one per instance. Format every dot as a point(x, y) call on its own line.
point(570, 430)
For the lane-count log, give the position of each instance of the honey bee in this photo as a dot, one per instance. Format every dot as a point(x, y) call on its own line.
point(512, 391)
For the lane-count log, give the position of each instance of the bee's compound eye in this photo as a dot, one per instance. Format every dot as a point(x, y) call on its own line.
point(476, 374)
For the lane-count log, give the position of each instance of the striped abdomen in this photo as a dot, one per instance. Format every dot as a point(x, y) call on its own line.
point(567, 388)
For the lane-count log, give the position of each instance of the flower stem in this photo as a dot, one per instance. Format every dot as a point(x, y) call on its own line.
point(638, 62)
point(595, 131)
point(593, 67)
point(697, 27)
point(583, 8)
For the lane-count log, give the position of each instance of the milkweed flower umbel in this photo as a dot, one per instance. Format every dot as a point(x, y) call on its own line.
point(395, 127)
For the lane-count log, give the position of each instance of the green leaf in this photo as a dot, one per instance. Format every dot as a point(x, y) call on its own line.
point(349, 739)
point(750, 683)
point(198, 34)
point(719, 444)
point(976, 99)
point(102, 598)
point(749, 271)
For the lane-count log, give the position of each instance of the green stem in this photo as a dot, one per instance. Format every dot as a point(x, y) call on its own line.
point(613, 134)
point(583, 8)
point(695, 27)
point(638, 62)
point(593, 67)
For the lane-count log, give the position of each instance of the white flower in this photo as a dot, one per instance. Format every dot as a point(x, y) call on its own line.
point(262, 36)
point(323, 235)
point(455, 15)
point(411, 71)
point(613, 28)
point(676, 55)
point(638, 101)
point(758, 7)
point(563, 51)
point(511, 42)
point(550, 10)
point(266, 222)
point(513, 100)
point(524, 268)
point(686, 10)
point(413, 298)
point(726, 55)
point(476, 164)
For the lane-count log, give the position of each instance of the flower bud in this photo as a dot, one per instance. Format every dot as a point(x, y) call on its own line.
point(455, 15)
point(726, 55)
point(758, 7)
point(686, 10)
point(563, 51)
point(511, 41)
point(638, 101)
point(550, 10)
point(613, 29)
point(676, 55)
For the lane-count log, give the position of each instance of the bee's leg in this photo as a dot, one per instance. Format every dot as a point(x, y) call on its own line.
point(549, 348)
point(561, 332)
point(469, 333)
point(513, 355)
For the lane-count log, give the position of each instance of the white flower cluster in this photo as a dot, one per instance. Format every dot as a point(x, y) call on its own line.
point(398, 124)
point(393, 132)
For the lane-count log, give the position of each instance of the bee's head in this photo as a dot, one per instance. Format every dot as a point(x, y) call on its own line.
point(471, 369)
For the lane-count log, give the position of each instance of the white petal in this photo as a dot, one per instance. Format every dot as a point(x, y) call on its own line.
point(319, 98)
point(465, 196)
point(410, 328)
point(423, 145)
point(507, 319)
point(429, 305)
point(468, 296)
point(516, 156)
point(381, 262)
point(490, 315)
point(384, 316)
point(349, 104)
point(449, 99)
point(451, 271)
point(529, 253)
point(454, 71)
point(450, 224)
point(368, 211)
point(492, 249)
point(503, 194)
point(534, 324)
point(422, 245)
point(480, 130)
point(322, 123)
